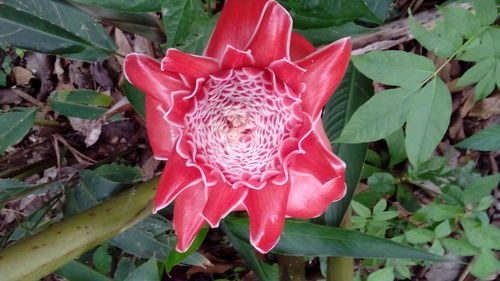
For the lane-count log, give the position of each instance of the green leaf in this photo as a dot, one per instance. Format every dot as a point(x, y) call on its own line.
point(443, 40)
point(427, 121)
point(354, 90)
point(419, 235)
point(407, 199)
point(437, 248)
point(146, 271)
point(54, 27)
point(80, 103)
point(15, 125)
point(480, 188)
point(102, 259)
point(77, 271)
point(486, 11)
point(327, 35)
point(485, 140)
point(380, 207)
point(438, 212)
point(3, 79)
point(481, 47)
point(485, 86)
point(324, 13)
point(331, 241)
point(360, 209)
point(443, 229)
point(459, 247)
point(480, 234)
point(475, 73)
point(497, 73)
point(175, 257)
point(178, 15)
point(466, 23)
point(381, 8)
point(263, 271)
point(136, 97)
point(397, 151)
point(126, 5)
point(486, 264)
point(384, 274)
point(382, 183)
point(395, 68)
point(379, 117)
point(124, 269)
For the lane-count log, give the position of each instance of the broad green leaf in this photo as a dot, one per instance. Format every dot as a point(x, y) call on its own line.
point(147, 239)
point(102, 259)
point(331, 241)
point(124, 268)
point(419, 235)
point(459, 247)
point(324, 13)
point(443, 229)
point(379, 207)
point(396, 145)
point(120, 173)
point(481, 235)
point(80, 103)
point(144, 24)
point(327, 35)
point(478, 71)
point(263, 271)
point(462, 20)
point(175, 257)
point(126, 5)
point(381, 8)
point(372, 157)
point(428, 121)
point(199, 34)
point(384, 274)
point(485, 86)
point(12, 188)
point(486, 264)
point(15, 125)
point(438, 212)
point(481, 47)
point(77, 271)
point(437, 248)
point(379, 117)
point(480, 188)
point(55, 27)
point(443, 40)
point(146, 271)
point(136, 97)
point(497, 73)
point(486, 11)
point(382, 183)
point(353, 91)
point(407, 199)
point(395, 68)
point(485, 140)
point(178, 15)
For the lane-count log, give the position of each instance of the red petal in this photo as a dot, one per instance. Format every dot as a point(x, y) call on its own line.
point(325, 69)
point(176, 177)
point(316, 177)
point(300, 47)
point(236, 25)
point(187, 218)
point(234, 58)
point(271, 40)
point(266, 208)
point(289, 73)
point(190, 65)
point(145, 73)
point(162, 135)
point(222, 199)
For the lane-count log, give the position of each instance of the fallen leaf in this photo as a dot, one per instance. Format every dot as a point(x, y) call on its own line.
point(22, 75)
point(487, 107)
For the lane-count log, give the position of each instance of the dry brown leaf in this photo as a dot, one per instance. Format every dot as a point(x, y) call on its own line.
point(91, 129)
point(456, 129)
point(487, 107)
point(143, 46)
point(149, 168)
point(121, 41)
point(22, 75)
point(467, 102)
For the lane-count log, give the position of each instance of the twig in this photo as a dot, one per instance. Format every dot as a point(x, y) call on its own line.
point(467, 269)
point(26, 96)
point(394, 33)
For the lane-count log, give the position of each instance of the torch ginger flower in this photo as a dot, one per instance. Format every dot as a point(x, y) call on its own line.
point(241, 125)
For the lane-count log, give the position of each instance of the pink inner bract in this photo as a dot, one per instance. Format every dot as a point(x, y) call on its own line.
point(240, 118)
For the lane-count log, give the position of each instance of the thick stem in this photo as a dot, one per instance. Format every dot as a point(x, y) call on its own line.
point(34, 257)
point(292, 268)
point(341, 268)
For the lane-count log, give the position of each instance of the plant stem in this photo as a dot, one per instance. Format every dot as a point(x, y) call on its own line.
point(45, 122)
point(292, 268)
point(36, 256)
point(341, 268)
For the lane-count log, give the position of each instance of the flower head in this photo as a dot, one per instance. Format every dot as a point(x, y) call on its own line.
point(241, 125)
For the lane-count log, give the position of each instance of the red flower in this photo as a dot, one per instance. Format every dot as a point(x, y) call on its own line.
point(241, 125)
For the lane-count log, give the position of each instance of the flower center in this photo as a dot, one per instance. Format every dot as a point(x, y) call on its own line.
point(239, 120)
